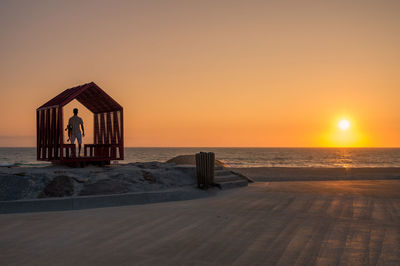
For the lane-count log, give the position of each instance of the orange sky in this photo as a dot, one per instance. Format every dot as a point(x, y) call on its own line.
point(210, 73)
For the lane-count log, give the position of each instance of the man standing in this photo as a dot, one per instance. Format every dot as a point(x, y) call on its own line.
point(74, 123)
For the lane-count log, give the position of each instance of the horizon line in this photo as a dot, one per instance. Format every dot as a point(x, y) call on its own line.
point(241, 147)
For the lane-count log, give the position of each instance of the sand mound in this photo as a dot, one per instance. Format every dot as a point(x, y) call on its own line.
point(17, 183)
point(190, 160)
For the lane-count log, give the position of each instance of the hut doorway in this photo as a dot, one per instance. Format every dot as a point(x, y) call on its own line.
point(86, 116)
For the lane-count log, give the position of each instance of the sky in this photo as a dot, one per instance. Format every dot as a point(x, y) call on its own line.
point(209, 73)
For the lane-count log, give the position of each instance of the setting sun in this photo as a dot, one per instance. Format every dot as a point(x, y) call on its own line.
point(344, 124)
point(345, 130)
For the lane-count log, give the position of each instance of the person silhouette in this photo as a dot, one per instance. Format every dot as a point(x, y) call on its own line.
point(74, 123)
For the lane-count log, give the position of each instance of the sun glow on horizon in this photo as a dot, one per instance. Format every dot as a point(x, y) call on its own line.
point(344, 124)
point(344, 132)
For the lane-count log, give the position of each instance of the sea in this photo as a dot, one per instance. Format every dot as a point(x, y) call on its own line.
point(241, 157)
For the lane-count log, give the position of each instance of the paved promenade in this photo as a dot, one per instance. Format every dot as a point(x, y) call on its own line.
point(282, 223)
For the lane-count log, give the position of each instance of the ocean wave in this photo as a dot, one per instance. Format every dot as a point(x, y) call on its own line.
point(239, 157)
point(24, 164)
point(6, 164)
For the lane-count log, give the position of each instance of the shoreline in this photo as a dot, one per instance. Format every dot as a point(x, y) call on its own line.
point(225, 164)
point(245, 157)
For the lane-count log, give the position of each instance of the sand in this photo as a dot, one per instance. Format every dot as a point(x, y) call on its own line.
point(267, 223)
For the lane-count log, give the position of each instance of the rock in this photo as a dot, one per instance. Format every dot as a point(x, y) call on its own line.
point(13, 187)
point(60, 181)
point(147, 176)
point(60, 186)
point(20, 174)
point(80, 179)
point(149, 165)
point(104, 187)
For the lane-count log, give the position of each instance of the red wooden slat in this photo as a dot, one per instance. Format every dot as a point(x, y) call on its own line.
point(56, 101)
point(93, 97)
point(43, 129)
point(121, 143)
point(61, 131)
point(109, 129)
point(37, 136)
point(113, 105)
point(103, 104)
point(116, 127)
point(102, 128)
point(48, 132)
point(67, 96)
point(42, 132)
point(118, 131)
point(50, 135)
point(54, 132)
point(95, 106)
point(96, 128)
point(44, 135)
point(105, 129)
point(108, 101)
point(86, 99)
point(74, 93)
point(57, 134)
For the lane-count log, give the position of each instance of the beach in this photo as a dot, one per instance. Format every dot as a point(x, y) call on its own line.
point(301, 222)
point(200, 133)
point(267, 223)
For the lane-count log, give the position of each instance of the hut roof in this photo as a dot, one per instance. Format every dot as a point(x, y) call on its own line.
point(90, 95)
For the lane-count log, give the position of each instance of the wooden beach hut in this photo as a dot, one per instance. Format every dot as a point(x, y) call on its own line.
point(108, 136)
